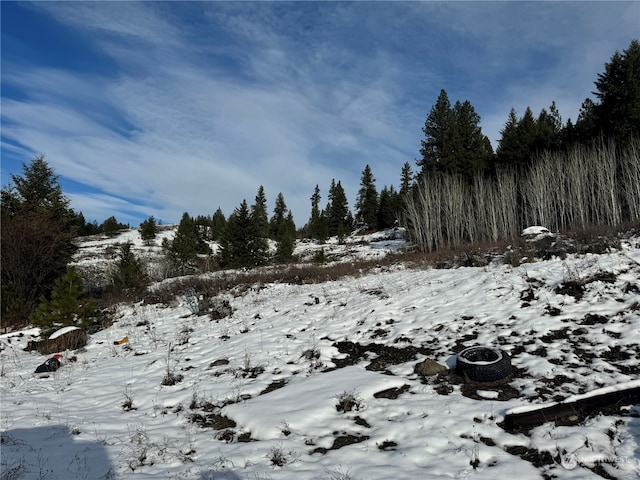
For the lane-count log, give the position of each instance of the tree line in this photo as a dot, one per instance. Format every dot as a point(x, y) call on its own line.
point(544, 172)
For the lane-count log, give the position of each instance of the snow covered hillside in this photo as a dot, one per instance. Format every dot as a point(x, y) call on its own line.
point(317, 381)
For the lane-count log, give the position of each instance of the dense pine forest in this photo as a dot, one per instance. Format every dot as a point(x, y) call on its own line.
point(563, 175)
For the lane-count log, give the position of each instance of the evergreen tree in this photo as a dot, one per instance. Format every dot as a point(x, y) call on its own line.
point(187, 243)
point(406, 178)
point(218, 224)
point(438, 130)
point(286, 239)
point(66, 306)
point(276, 224)
point(38, 191)
point(527, 132)
point(203, 225)
point(510, 150)
point(454, 141)
point(472, 150)
point(129, 272)
point(148, 230)
point(388, 208)
point(318, 228)
point(81, 228)
point(282, 229)
point(367, 200)
point(522, 139)
point(338, 216)
point(111, 226)
point(259, 214)
point(618, 92)
point(587, 127)
point(37, 240)
point(242, 245)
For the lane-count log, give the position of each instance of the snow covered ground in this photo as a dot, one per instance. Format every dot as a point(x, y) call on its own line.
point(317, 381)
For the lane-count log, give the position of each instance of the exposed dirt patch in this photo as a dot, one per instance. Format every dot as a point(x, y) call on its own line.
point(631, 288)
point(386, 355)
point(379, 333)
point(229, 435)
point(552, 311)
point(541, 351)
point(342, 440)
point(387, 445)
point(536, 457)
point(219, 362)
point(443, 388)
point(615, 352)
point(212, 420)
point(391, 393)
point(275, 385)
point(442, 383)
point(628, 369)
point(252, 372)
point(362, 422)
point(504, 391)
point(554, 335)
point(573, 288)
point(594, 319)
point(555, 381)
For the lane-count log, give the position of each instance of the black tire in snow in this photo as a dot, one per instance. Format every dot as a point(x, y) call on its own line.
point(484, 364)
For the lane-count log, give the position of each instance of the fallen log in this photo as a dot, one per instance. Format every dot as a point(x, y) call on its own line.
point(574, 409)
point(67, 338)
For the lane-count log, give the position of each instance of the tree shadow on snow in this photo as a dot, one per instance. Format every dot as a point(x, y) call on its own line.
point(51, 452)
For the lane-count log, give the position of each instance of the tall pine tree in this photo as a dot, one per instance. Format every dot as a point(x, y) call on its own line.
point(186, 245)
point(37, 240)
point(454, 142)
point(338, 215)
point(406, 179)
point(286, 239)
point(387, 208)
point(317, 228)
point(282, 229)
point(618, 92)
point(438, 130)
point(367, 200)
point(259, 213)
point(218, 224)
point(278, 218)
point(242, 245)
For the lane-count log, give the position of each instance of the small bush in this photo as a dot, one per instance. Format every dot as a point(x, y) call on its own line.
point(66, 305)
point(279, 457)
point(349, 401)
point(171, 378)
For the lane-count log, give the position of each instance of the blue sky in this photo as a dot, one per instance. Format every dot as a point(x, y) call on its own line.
point(148, 108)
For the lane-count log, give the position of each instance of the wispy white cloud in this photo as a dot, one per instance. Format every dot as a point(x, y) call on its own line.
point(210, 100)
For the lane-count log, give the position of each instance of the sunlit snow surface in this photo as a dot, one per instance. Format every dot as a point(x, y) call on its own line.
point(74, 424)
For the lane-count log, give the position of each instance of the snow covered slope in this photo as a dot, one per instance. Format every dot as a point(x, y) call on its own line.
point(290, 387)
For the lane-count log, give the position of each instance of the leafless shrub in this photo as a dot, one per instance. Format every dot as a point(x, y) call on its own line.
point(349, 401)
point(279, 457)
point(127, 404)
point(170, 376)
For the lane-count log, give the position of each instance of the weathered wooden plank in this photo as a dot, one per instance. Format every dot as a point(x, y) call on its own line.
point(573, 410)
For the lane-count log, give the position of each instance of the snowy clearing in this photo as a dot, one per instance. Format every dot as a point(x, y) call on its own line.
point(290, 387)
